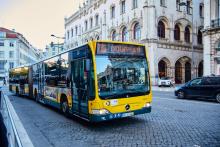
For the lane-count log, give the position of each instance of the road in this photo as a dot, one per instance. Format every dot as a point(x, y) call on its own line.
point(172, 122)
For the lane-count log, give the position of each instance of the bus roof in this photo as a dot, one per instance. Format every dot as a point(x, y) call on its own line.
point(90, 42)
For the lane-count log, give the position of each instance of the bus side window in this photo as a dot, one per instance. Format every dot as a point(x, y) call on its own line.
point(64, 77)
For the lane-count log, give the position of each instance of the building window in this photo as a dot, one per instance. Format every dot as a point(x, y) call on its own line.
point(97, 37)
point(199, 37)
point(97, 20)
point(2, 54)
point(188, 7)
point(162, 3)
point(53, 49)
point(86, 25)
point(11, 65)
point(137, 31)
point(76, 29)
point(113, 36)
point(177, 32)
point(68, 34)
point(161, 29)
point(218, 47)
point(11, 54)
point(2, 43)
point(201, 10)
point(2, 65)
point(113, 12)
point(91, 23)
point(178, 5)
point(125, 34)
point(187, 34)
point(71, 32)
point(123, 7)
point(11, 44)
point(135, 4)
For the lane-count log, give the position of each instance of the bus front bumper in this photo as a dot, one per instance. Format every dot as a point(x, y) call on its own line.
point(99, 118)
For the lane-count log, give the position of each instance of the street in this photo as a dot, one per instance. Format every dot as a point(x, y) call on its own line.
point(172, 122)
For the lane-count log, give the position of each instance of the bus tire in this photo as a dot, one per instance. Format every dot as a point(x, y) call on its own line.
point(64, 105)
point(17, 91)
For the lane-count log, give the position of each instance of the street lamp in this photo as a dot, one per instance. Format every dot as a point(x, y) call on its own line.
point(57, 37)
point(193, 64)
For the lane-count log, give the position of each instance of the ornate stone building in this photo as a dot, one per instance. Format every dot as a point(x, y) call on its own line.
point(164, 26)
point(211, 34)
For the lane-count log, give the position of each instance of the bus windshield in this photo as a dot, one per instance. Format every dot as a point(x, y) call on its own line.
point(122, 76)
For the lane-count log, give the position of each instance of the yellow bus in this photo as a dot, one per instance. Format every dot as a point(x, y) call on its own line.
point(98, 81)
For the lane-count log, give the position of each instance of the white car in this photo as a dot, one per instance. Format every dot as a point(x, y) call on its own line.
point(165, 81)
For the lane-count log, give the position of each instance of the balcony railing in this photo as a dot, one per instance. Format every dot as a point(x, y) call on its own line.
point(215, 23)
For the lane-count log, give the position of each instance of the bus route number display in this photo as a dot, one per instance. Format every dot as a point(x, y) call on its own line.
point(119, 49)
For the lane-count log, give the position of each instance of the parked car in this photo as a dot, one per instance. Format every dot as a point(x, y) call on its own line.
point(204, 87)
point(165, 81)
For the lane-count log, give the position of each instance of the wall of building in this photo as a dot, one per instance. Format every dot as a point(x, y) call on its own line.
point(15, 50)
point(147, 14)
point(211, 35)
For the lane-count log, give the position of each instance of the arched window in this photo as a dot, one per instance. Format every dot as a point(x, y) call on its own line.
point(177, 32)
point(162, 69)
point(113, 36)
point(187, 34)
point(161, 29)
point(125, 34)
point(199, 37)
point(137, 31)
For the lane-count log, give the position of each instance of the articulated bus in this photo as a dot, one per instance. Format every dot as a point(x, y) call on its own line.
point(99, 81)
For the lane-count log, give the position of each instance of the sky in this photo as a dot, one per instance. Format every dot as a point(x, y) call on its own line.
point(37, 19)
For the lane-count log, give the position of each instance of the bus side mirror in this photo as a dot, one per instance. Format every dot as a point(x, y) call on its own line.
point(88, 63)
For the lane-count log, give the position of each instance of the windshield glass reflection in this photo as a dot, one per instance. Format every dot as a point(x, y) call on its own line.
point(122, 76)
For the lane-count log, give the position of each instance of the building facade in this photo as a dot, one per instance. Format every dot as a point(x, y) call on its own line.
point(53, 49)
point(15, 50)
point(211, 35)
point(164, 26)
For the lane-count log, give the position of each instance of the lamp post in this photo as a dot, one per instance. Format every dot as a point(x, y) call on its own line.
point(192, 48)
point(57, 37)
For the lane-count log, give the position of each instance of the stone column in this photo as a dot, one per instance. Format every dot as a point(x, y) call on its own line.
point(150, 33)
point(149, 20)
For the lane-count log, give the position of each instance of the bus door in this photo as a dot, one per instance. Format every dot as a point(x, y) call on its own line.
point(80, 87)
point(41, 81)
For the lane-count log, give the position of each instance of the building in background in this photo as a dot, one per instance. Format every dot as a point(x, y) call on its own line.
point(164, 26)
point(211, 34)
point(53, 49)
point(15, 50)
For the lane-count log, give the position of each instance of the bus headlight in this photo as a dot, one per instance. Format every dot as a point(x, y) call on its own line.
point(100, 111)
point(147, 105)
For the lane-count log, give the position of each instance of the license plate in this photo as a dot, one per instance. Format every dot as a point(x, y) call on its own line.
point(127, 114)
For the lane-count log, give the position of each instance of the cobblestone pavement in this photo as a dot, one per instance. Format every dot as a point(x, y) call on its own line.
point(172, 122)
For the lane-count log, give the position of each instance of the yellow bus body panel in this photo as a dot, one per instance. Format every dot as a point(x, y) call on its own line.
point(136, 103)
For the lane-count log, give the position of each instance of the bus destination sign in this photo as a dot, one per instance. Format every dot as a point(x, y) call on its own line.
point(119, 49)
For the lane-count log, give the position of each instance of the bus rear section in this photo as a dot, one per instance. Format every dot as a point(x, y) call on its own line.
point(18, 80)
point(122, 81)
